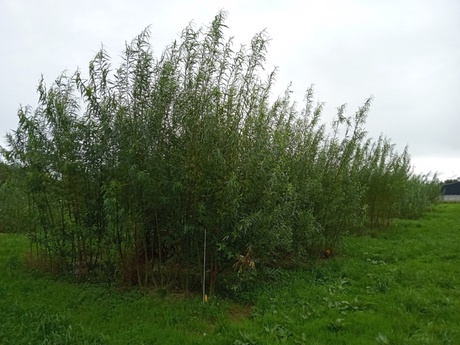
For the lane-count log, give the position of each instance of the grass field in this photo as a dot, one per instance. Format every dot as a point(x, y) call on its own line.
point(399, 286)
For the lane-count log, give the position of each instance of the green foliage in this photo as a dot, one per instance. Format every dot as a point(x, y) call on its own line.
point(15, 211)
point(39, 327)
point(129, 170)
point(420, 193)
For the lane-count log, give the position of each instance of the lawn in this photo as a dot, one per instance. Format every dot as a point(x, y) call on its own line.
point(396, 286)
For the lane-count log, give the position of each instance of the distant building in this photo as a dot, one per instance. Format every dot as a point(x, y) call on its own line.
point(451, 192)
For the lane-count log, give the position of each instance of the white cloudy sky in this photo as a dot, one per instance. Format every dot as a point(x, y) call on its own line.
point(406, 53)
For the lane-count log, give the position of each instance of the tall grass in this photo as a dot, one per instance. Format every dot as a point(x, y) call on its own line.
point(132, 169)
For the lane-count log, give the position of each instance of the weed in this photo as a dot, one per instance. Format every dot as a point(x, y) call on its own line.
point(336, 325)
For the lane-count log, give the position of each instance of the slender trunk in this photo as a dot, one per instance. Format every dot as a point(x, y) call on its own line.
point(146, 259)
point(160, 259)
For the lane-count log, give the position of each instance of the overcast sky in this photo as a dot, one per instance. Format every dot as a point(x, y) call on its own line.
point(405, 53)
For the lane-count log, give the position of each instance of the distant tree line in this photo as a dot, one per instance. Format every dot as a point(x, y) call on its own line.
point(165, 171)
point(450, 181)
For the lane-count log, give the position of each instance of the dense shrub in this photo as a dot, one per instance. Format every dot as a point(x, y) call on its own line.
point(150, 171)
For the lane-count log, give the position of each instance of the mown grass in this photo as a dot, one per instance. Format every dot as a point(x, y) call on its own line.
point(398, 286)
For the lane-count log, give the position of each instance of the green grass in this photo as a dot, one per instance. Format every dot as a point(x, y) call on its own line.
point(399, 286)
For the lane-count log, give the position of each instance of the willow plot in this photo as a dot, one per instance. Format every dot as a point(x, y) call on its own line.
point(177, 170)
